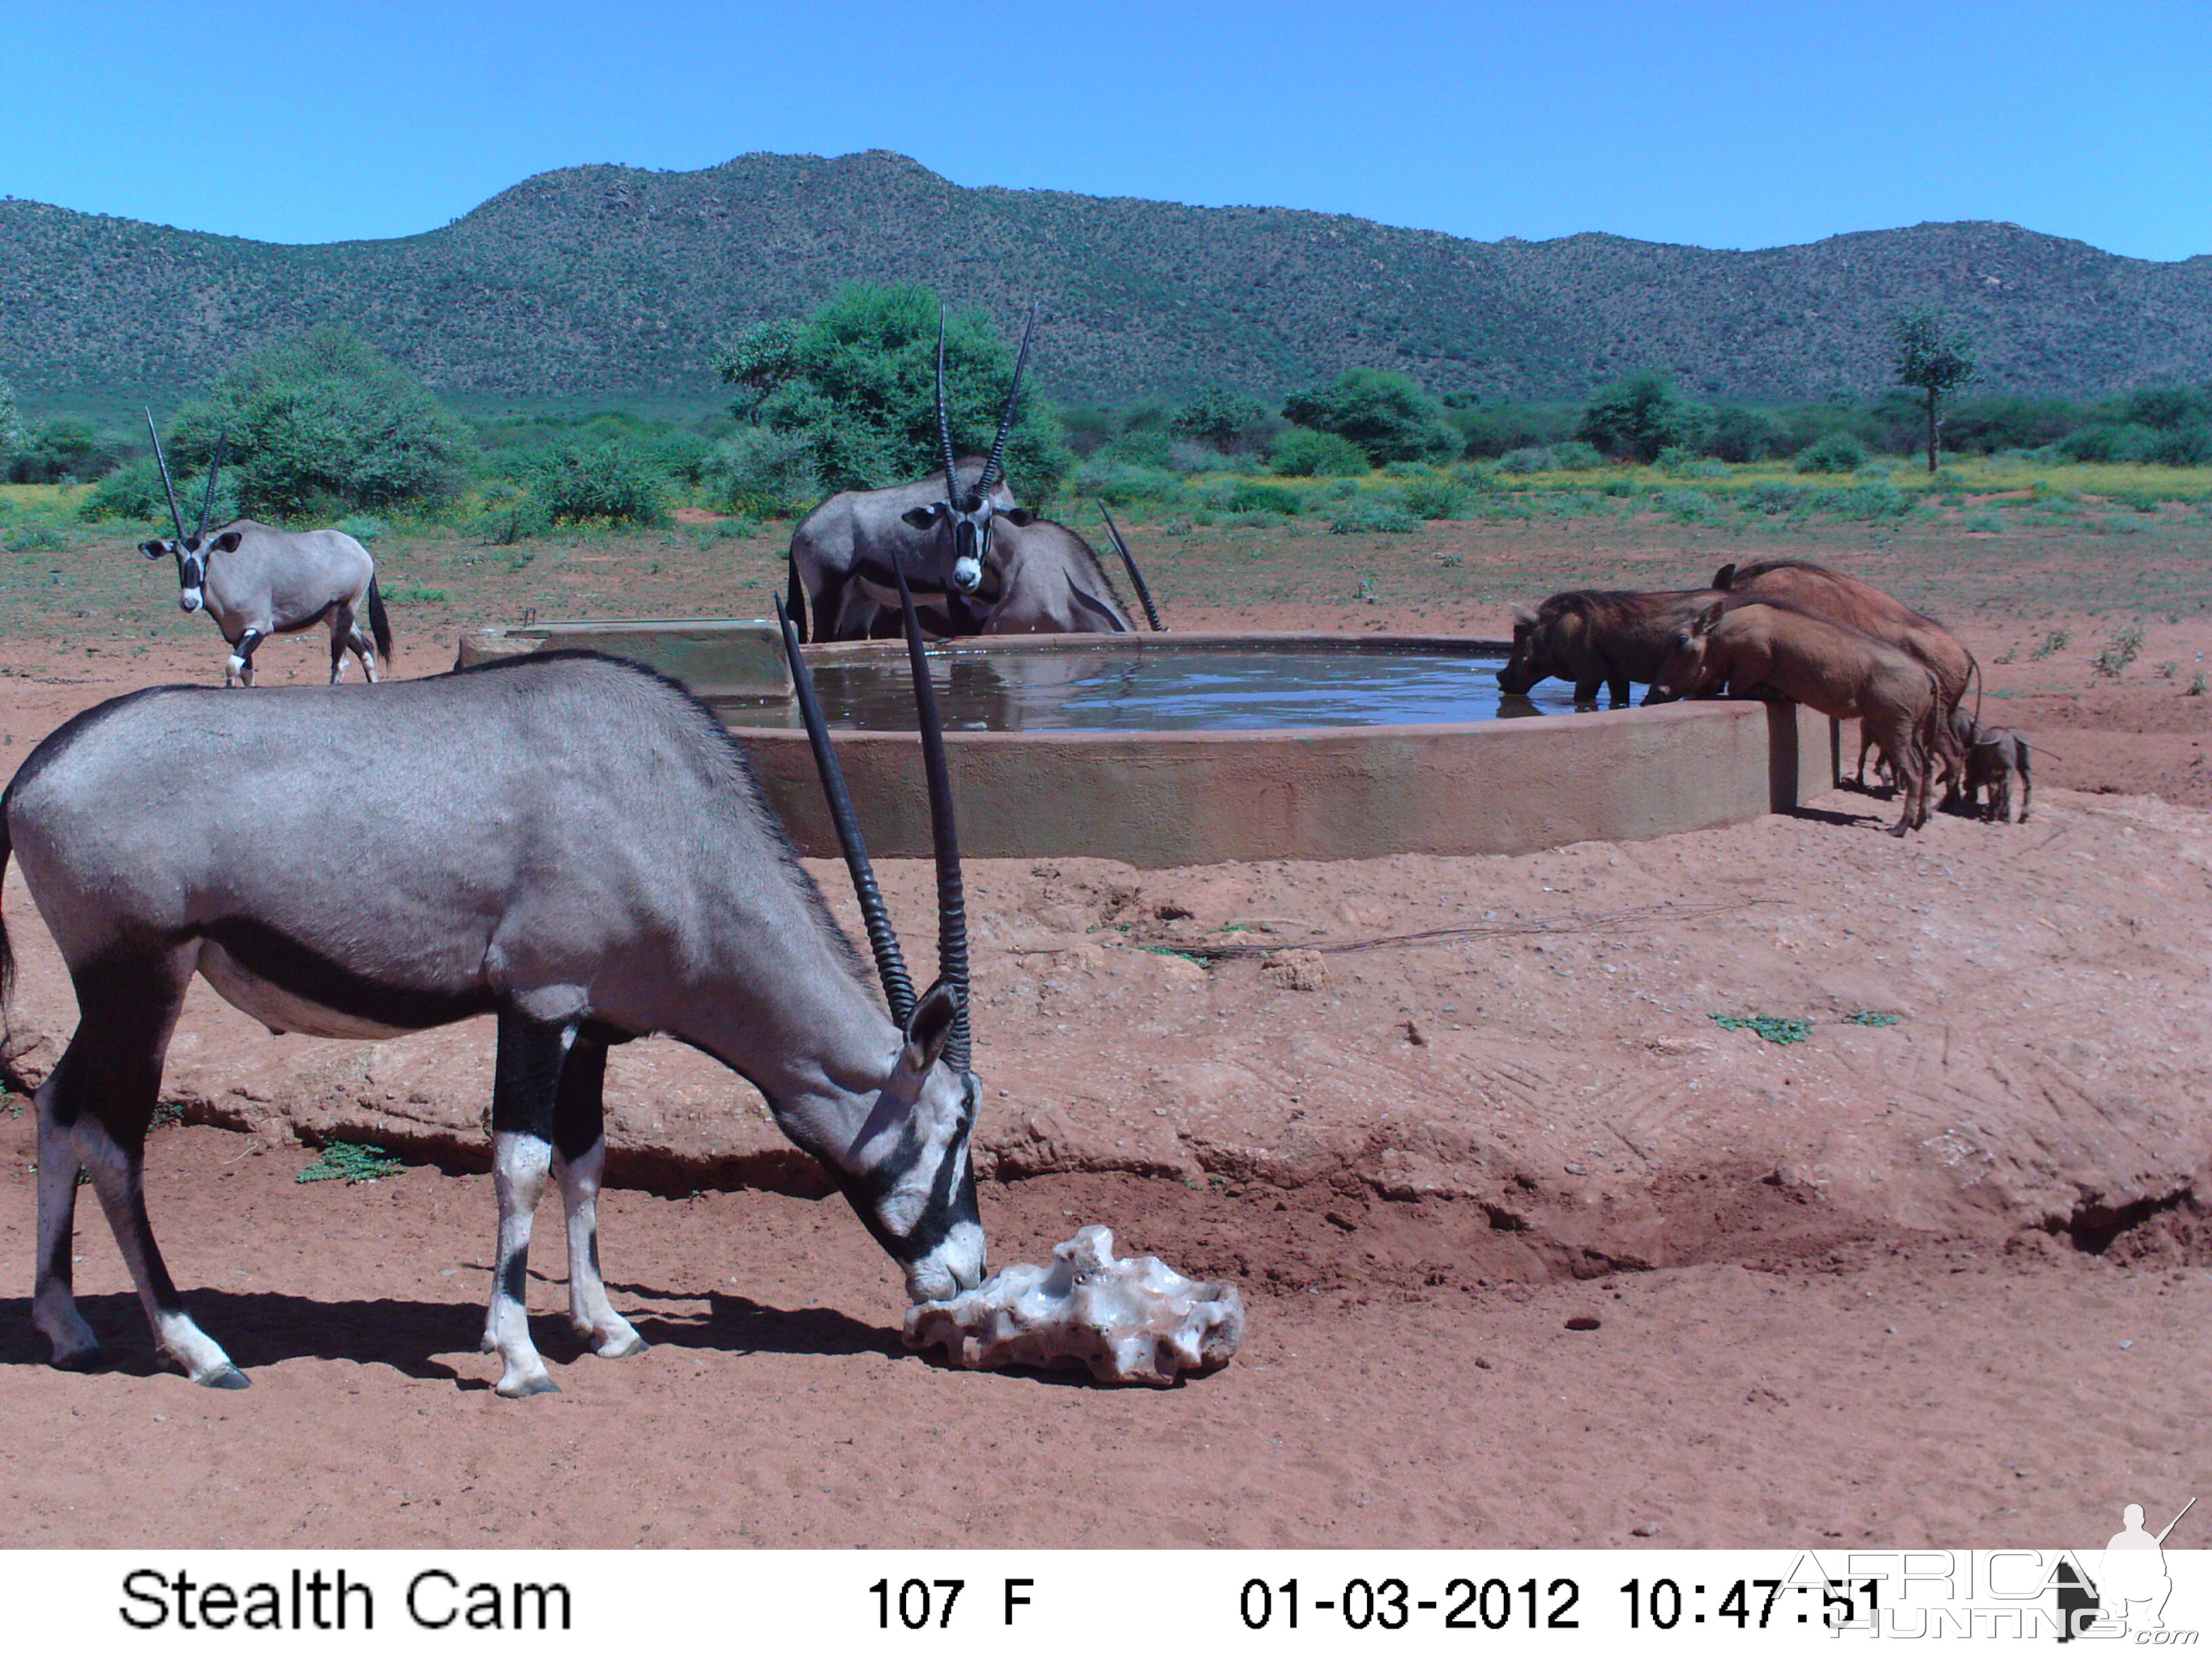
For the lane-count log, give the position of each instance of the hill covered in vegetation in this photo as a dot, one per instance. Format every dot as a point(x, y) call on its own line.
point(616, 283)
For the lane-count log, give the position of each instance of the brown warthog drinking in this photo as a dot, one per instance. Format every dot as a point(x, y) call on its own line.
point(1756, 650)
point(1840, 598)
point(1596, 637)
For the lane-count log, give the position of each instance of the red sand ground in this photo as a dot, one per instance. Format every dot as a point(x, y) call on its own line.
point(1943, 1282)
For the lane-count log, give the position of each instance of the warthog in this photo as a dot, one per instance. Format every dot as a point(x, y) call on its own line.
point(1840, 598)
point(1764, 649)
point(1994, 755)
point(1596, 637)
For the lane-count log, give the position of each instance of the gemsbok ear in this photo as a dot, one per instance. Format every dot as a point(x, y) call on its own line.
point(930, 1025)
point(1017, 515)
point(921, 518)
point(1723, 576)
point(1523, 616)
point(228, 541)
point(153, 549)
point(1708, 616)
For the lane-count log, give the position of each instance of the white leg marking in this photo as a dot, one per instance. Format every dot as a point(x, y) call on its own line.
point(520, 1164)
point(119, 1180)
point(231, 670)
point(590, 1315)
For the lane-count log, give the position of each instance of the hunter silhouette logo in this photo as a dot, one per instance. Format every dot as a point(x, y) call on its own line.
point(2130, 1585)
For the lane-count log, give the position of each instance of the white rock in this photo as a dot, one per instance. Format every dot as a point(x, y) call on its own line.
point(1131, 1321)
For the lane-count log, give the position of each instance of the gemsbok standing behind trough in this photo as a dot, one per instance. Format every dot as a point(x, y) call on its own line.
point(847, 553)
point(568, 842)
point(256, 581)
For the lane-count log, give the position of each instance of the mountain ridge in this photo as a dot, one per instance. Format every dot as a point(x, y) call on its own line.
point(618, 282)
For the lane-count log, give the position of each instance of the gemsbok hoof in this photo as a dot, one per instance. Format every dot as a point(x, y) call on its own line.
point(620, 1346)
point(225, 1376)
point(522, 1388)
point(82, 1359)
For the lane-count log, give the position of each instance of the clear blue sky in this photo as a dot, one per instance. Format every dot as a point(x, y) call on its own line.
point(1722, 124)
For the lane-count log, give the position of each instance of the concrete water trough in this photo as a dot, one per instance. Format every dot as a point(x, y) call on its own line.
point(1398, 745)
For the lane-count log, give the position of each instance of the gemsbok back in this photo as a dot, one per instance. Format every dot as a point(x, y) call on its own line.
point(566, 842)
point(256, 581)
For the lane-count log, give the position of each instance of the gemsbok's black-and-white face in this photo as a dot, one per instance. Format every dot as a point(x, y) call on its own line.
point(191, 554)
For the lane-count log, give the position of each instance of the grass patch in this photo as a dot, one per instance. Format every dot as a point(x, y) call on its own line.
point(1868, 1016)
point(344, 1160)
point(2120, 650)
point(1772, 1028)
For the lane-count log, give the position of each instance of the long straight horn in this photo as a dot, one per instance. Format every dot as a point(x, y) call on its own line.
point(890, 966)
point(944, 424)
point(168, 488)
point(1136, 576)
point(1007, 420)
point(944, 838)
point(207, 501)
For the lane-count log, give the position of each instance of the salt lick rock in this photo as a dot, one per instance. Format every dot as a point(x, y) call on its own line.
point(1132, 1320)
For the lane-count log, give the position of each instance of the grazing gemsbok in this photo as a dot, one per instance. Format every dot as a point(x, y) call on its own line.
point(256, 581)
point(566, 841)
point(845, 554)
point(1044, 578)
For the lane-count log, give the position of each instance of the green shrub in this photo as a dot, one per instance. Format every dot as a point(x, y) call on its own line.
point(1840, 452)
point(1986, 524)
point(1573, 455)
point(856, 383)
point(757, 470)
point(612, 483)
point(511, 514)
point(1534, 458)
point(1247, 495)
point(2182, 446)
point(1433, 498)
point(1688, 505)
point(1225, 420)
point(1640, 416)
point(1373, 512)
point(1746, 434)
point(1302, 452)
point(322, 422)
point(1387, 414)
point(1774, 498)
point(1870, 500)
point(1122, 484)
point(132, 494)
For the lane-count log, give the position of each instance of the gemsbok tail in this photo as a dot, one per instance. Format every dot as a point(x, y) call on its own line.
point(379, 624)
point(6, 951)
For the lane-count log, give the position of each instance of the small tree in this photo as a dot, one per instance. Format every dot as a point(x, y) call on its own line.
point(856, 384)
point(322, 422)
point(1387, 414)
point(1641, 415)
point(1936, 362)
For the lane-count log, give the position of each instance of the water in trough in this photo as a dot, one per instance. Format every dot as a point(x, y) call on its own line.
point(1165, 688)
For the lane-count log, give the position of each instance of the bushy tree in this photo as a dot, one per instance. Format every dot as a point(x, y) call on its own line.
point(324, 422)
point(1228, 421)
point(1934, 360)
point(611, 483)
point(1736, 433)
point(1301, 452)
point(64, 449)
point(1388, 415)
point(1637, 417)
point(1840, 452)
point(856, 384)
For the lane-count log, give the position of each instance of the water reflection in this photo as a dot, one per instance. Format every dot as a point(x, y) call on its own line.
point(1162, 689)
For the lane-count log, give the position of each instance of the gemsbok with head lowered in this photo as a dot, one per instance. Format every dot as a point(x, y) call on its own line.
point(847, 554)
point(567, 842)
point(256, 581)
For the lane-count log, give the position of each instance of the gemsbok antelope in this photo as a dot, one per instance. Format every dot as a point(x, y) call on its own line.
point(566, 842)
point(256, 581)
point(936, 532)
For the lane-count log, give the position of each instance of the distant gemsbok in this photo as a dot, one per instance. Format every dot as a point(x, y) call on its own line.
point(937, 531)
point(256, 581)
point(566, 841)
